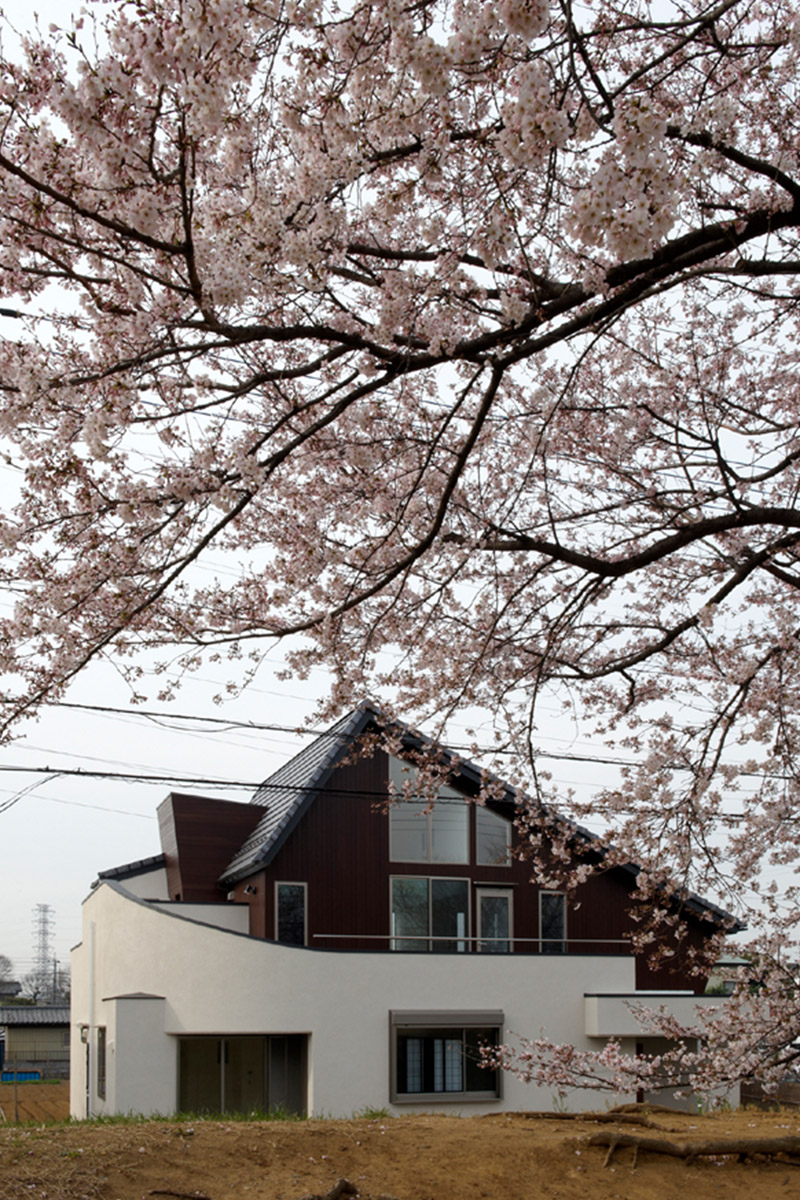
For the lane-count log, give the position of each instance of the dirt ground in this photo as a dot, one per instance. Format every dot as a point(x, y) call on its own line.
point(394, 1158)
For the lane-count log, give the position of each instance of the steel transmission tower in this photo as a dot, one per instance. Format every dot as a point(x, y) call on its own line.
point(43, 923)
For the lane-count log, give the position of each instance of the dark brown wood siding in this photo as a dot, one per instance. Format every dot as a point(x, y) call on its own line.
point(341, 851)
point(199, 837)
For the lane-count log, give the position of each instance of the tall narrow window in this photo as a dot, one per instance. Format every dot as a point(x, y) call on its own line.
point(410, 914)
point(101, 1062)
point(492, 838)
point(494, 920)
point(553, 922)
point(290, 913)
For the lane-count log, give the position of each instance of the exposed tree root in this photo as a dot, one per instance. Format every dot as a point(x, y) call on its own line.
point(181, 1195)
point(716, 1147)
point(613, 1116)
point(343, 1187)
point(644, 1107)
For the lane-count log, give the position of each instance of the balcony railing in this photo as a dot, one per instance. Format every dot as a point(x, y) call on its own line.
point(449, 944)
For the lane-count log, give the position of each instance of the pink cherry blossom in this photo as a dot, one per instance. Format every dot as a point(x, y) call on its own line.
point(470, 334)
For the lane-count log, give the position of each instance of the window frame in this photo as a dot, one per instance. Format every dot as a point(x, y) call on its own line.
point(505, 893)
point(554, 945)
point(279, 883)
point(506, 861)
point(427, 1023)
point(430, 947)
point(101, 1071)
point(425, 810)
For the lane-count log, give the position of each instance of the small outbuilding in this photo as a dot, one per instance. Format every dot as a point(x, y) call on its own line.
point(36, 1041)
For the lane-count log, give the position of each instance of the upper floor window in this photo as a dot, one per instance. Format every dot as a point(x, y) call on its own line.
point(419, 832)
point(553, 922)
point(430, 914)
point(290, 913)
point(492, 838)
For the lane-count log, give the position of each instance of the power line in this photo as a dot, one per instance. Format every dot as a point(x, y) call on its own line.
point(121, 812)
point(259, 727)
point(255, 726)
point(298, 789)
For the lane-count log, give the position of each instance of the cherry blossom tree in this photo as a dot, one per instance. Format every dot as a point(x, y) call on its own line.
point(470, 332)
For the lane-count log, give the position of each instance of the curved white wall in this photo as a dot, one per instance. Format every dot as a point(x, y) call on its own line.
point(217, 982)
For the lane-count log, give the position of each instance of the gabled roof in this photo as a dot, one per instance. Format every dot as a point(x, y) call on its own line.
point(289, 793)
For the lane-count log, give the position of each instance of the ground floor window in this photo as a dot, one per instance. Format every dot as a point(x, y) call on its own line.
point(443, 1060)
point(101, 1062)
point(243, 1074)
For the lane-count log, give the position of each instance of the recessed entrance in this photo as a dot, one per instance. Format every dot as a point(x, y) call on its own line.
point(243, 1074)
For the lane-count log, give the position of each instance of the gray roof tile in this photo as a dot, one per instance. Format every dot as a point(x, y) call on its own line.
point(29, 1014)
point(292, 789)
point(128, 870)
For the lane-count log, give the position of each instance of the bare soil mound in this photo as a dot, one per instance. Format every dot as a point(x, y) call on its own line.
point(513, 1157)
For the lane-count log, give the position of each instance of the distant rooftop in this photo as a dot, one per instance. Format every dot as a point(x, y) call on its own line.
point(34, 1014)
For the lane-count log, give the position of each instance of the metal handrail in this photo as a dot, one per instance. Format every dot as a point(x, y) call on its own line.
point(460, 937)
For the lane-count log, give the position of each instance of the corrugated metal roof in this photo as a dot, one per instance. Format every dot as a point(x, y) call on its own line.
point(39, 1014)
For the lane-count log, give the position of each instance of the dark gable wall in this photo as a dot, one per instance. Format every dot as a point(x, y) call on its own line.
point(341, 850)
point(199, 837)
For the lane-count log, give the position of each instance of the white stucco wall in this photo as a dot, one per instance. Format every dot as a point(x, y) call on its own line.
point(617, 1016)
point(218, 982)
point(224, 915)
point(150, 885)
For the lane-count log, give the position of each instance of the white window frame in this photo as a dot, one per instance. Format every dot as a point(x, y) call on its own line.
point(505, 894)
point(279, 883)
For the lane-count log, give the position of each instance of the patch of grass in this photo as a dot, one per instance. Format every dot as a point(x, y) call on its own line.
point(276, 1113)
point(369, 1113)
point(117, 1119)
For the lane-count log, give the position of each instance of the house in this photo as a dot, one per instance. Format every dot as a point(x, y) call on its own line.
point(322, 950)
point(36, 1044)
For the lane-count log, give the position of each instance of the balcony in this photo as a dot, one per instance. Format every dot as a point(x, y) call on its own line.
point(614, 1015)
point(463, 944)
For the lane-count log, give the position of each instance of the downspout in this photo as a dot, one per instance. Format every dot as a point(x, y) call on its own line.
point(90, 1055)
